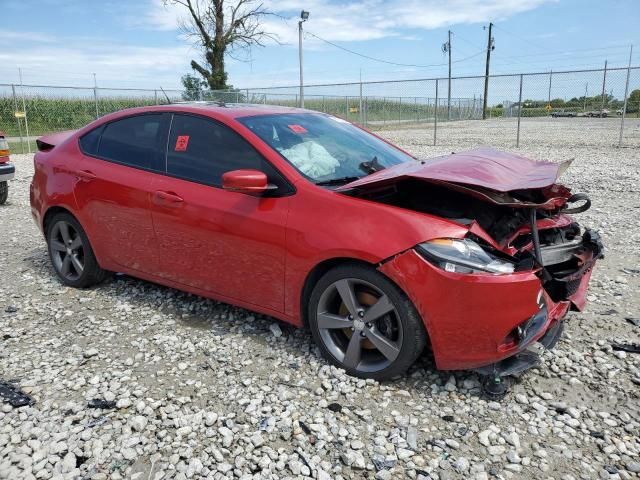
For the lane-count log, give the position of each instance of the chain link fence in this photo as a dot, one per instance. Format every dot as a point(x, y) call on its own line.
point(532, 108)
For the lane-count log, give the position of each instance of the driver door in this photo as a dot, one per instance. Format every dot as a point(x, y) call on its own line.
point(227, 243)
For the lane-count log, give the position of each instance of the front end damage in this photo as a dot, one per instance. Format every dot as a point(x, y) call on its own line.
point(493, 300)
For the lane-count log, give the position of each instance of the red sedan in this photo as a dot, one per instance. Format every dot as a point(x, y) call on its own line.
point(317, 222)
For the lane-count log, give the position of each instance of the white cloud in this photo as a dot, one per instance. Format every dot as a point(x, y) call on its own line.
point(115, 64)
point(361, 20)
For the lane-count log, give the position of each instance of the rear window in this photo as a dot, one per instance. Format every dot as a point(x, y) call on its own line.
point(89, 141)
point(134, 141)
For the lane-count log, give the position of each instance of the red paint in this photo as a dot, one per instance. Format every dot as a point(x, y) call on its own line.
point(258, 251)
point(483, 167)
point(468, 316)
point(245, 181)
point(182, 142)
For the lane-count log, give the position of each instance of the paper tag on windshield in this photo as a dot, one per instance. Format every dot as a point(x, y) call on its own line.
point(181, 143)
point(297, 128)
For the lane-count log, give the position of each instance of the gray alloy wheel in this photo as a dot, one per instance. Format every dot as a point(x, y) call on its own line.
point(71, 253)
point(67, 250)
point(359, 325)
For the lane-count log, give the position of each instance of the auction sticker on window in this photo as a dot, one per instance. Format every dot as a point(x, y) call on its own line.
point(181, 143)
point(297, 128)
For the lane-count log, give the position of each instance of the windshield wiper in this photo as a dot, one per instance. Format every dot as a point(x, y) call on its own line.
point(371, 167)
point(337, 181)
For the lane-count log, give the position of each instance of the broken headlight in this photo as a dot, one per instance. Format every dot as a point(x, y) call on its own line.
point(463, 256)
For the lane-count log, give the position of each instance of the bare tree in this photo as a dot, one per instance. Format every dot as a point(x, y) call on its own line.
point(222, 27)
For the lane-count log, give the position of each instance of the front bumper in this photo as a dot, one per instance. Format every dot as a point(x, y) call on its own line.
point(470, 319)
point(7, 171)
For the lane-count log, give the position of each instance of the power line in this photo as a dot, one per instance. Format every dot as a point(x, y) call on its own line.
point(520, 38)
point(387, 61)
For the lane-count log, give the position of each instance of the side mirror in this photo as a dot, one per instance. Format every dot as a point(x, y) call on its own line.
point(250, 182)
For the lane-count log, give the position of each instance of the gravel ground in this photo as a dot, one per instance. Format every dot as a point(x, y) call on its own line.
point(207, 390)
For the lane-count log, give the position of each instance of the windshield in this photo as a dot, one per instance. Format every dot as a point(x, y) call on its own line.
point(325, 149)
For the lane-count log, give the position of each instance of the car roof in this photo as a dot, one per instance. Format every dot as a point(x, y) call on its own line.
point(219, 109)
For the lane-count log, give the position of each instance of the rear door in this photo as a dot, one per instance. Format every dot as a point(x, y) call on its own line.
point(224, 242)
point(113, 188)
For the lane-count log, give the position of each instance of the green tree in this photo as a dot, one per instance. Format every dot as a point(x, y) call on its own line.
point(193, 87)
point(633, 104)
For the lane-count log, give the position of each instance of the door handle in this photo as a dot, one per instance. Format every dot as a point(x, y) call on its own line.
point(167, 197)
point(86, 175)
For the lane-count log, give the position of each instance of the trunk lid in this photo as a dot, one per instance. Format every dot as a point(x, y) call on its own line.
point(48, 142)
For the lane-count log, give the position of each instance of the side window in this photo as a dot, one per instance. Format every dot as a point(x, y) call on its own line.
point(135, 141)
point(202, 150)
point(89, 141)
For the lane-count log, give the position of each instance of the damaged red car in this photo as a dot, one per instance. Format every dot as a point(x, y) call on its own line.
point(310, 219)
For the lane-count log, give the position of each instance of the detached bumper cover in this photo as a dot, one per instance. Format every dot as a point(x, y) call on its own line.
point(7, 171)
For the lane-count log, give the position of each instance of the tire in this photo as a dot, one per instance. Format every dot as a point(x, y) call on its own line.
point(352, 335)
point(4, 192)
point(71, 254)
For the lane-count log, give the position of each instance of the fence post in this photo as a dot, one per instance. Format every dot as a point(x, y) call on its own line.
point(95, 100)
point(361, 112)
point(346, 107)
point(415, 102)
point(604, 82)
point(15, 109)
point(26, 120)
point(435, 118)
point(155, 96)
point(626, 92)
point(384, 111)
point(519, 112)
point(366, 111)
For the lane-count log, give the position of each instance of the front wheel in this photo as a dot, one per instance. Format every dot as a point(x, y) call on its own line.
point(364, 323)
point(4, 192)
point(71, 253)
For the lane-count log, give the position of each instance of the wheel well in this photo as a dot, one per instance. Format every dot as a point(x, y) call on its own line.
point(315, 275)
point(52, 212)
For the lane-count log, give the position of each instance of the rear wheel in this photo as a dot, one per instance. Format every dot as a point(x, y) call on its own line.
point(364, 323)
point(71, 253)
point(4, 192)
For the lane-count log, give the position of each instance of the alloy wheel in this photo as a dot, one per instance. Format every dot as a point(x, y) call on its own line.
point(359, 325)
point(67, 250)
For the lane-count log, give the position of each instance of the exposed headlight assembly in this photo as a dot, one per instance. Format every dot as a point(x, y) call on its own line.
point(463, 256)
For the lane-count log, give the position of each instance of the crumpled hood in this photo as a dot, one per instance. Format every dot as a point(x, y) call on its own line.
point(483, 167)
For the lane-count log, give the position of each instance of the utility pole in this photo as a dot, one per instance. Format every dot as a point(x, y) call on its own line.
point(446, 48)
point(304, 15)
point(490, 47)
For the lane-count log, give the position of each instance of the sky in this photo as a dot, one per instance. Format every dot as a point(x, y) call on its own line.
point(139, 43)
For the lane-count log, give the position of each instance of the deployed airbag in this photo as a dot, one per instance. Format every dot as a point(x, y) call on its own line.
point(311, 158)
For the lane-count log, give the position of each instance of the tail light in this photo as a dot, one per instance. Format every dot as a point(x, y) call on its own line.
point(4, 150)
